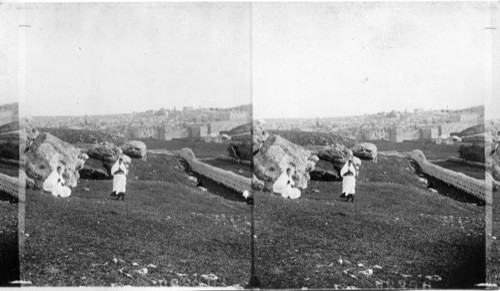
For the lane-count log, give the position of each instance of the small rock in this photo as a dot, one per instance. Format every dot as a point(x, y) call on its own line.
point(367, 272)
point(315, 190)
point(202, 285)
point(210, 277)
point(361, 265)
point(377, 267)
point(86, 189)
point(432, 190)
point(174, 282)
point(151, 266)
point(20, 282)
point(340, 261)
point(135, 264)
point(180, 275)
point(203, 189)
point(142, 271)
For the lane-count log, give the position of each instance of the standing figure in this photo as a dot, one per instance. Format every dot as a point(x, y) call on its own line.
point(285, 186)
point(119, 172)
point(349, 175)
point(55, 184)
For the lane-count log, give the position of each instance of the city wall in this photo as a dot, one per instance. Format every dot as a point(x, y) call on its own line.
point(447, 128)
point(227, 178)
point(475, 187)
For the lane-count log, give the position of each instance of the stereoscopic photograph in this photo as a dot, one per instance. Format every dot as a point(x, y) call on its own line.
point(250, 145)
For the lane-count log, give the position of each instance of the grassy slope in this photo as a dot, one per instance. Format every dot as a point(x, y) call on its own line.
point(169, 224)
point(200, 149)
point(9, 247)
point(431, 151)
point(394, 223)
point(472, 171)
point(493, 267)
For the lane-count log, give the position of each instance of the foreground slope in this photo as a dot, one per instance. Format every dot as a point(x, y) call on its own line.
point(395, 224)
point(184, 232)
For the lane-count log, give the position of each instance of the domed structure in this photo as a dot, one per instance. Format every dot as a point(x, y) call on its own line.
point(393, 114)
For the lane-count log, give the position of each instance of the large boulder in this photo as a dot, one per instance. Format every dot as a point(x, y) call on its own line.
point(276, 155)
point(107, 153)
point(365, 151)
point(337, 154)
point(47, 152)
point(134, 149)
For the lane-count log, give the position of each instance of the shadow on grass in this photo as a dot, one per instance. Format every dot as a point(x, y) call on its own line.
point(9, 246)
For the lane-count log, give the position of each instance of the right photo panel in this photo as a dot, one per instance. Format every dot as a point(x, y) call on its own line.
point(369, 145)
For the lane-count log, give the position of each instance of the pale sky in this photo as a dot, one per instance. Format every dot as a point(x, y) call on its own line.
point(335, 59)
point(308, 59)
point(113, 58)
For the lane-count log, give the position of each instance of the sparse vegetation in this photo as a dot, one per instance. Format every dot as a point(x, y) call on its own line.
point(395, 222)
point(474, 153)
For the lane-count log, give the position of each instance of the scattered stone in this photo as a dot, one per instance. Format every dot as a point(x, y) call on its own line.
point(367, 272)
point(135, 264)
point(85, 189)
point(191, 178)
point(315, 190)
point(142, 271)
point(432, 190)
point(423, 180)
point(340, 261)
point(210, 277)
point(174, 282)
point(151, 266)
point(20, 282)
point(203, 189)
point(361, 265)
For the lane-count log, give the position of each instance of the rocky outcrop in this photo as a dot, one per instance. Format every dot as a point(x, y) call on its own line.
point(108, 154)
point(276, 155)
point(336, 153)
point(134, 149)
point(365, 151)
point(47, 152)
point(259, 135)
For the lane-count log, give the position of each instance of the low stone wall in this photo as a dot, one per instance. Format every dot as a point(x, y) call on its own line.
point(227, 178)
point(475, 187)
point(10, 185)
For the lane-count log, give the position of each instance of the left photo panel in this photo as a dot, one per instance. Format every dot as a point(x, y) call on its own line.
point(135, 142)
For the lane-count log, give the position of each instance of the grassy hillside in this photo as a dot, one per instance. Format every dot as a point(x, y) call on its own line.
point(184, 232)
point(9, 246)
point(395, 223)
point(431, 151)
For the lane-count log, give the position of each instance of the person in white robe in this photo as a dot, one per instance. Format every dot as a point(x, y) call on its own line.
point(55, 184)
point(119, 172)
point(285, 186)
point(349, 175)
